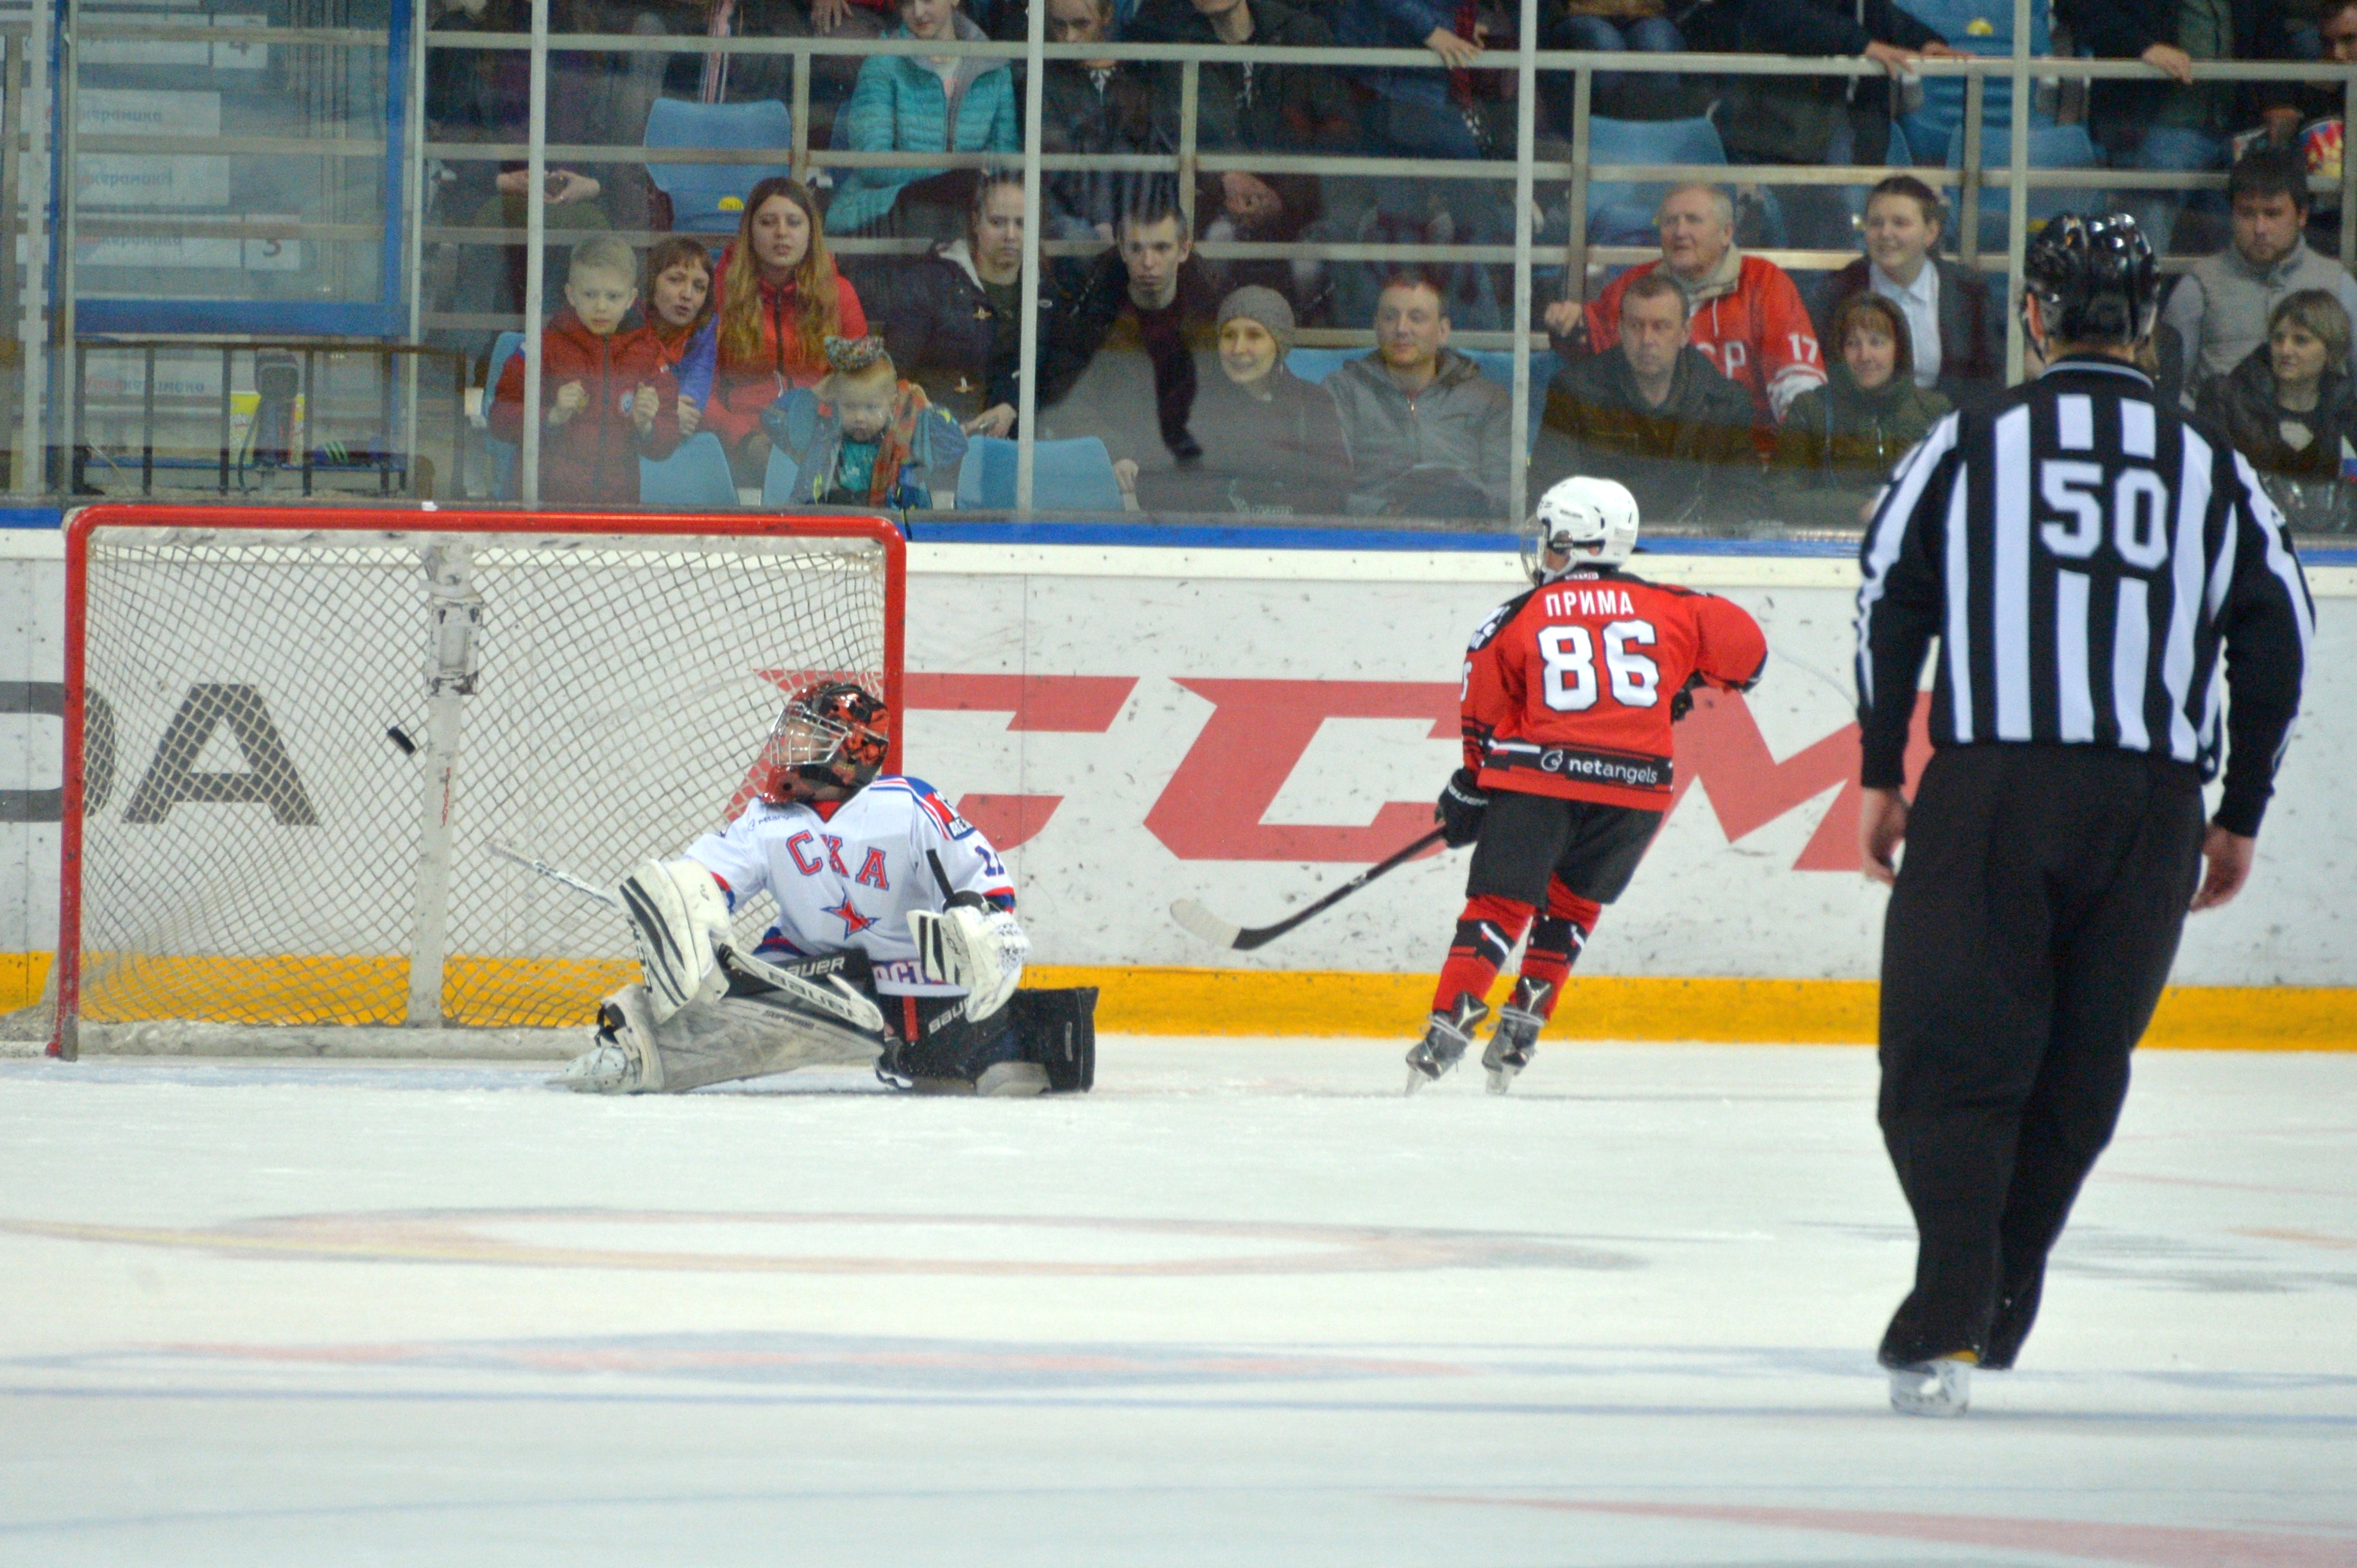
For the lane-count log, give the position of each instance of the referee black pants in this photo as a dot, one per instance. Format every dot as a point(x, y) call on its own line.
point(2036, 914)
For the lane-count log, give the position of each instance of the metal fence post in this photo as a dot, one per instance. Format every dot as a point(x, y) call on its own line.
point(1518, 465)
point(2017, 194)
point(65, 369)
point(1035, 61)
point(801, 115)
point(1968, 200)
point(1575, 253)
point(535, 282)
point(1191, 86)
point(2348, 175)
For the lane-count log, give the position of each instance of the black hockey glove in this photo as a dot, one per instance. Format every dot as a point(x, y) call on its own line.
point(1681, 700)
point(1461, 808)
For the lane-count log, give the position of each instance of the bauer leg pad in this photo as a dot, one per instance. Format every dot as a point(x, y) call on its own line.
point(710, 1042)
point(1060, 1032)
point(1040, 1042)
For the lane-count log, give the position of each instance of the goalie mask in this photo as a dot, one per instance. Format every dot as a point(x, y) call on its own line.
point(833, 735)
point(1585, 522)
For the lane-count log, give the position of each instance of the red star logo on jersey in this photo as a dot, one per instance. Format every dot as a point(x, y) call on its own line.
point(853, 922)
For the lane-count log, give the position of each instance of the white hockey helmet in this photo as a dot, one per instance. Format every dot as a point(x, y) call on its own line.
point(1593, 522)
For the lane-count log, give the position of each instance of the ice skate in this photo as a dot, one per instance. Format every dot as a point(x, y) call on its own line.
point(1446, 1036)
point(1941, 1386)
point(611, 1066)
point(1516, 1038)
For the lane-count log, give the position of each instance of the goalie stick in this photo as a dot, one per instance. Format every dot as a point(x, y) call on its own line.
point(837, 999)
point(1221, 934)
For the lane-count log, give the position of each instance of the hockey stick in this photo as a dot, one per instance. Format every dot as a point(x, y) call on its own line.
point(561, 877)
point(1221, 934)
point(837, 999)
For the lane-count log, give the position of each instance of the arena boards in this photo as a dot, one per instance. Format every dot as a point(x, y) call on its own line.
point(1248, 727)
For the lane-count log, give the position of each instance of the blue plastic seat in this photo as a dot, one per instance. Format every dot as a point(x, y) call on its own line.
point(706, 199)
point(696, 478)
point(1621, 212)
point(1314, 365)
point(2050, 147)
point(502, 453)
point(1066, 476)
point(1978, 27)
point(777, 482)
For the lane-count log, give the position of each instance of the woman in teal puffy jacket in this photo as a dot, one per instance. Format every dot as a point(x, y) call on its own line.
point(922, 103)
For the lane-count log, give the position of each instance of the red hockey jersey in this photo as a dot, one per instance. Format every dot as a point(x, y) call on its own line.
point(1567, 689)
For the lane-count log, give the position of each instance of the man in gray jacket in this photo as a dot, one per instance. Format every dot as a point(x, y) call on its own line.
point(1429, 435)
point(2220, 307)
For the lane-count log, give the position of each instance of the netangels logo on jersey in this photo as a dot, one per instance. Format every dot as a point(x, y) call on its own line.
point(1590, 766)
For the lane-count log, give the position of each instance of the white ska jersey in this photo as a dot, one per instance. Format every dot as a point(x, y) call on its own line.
point(850, 879)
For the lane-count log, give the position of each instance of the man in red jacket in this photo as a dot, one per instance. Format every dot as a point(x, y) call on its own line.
point(1748, 316)
point(608, 397)
point(1569, 693)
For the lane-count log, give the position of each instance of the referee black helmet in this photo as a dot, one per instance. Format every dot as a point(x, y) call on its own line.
point(2095, 279)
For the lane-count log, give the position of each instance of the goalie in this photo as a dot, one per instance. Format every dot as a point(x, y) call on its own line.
point(895, 942)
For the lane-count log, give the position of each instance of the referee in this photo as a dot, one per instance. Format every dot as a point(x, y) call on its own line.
point(2081, 553)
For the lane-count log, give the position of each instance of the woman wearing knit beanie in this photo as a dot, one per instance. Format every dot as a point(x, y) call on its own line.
point(1272, 444)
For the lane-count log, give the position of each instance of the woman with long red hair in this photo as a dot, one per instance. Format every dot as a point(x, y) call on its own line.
point(780, 300)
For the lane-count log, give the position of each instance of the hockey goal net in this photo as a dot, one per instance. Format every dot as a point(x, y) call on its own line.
point(292, 739)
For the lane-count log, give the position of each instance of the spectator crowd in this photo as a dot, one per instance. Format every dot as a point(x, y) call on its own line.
point(1723, 389)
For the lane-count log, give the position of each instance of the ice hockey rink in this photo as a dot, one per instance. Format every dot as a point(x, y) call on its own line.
point(1243, 1304)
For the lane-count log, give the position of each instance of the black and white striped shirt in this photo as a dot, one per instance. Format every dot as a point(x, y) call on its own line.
point(2082, 552)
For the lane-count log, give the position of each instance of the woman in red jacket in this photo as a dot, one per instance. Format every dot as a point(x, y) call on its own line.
point(776, 314)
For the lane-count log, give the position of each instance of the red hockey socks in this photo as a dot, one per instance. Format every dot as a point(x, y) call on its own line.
point(1486, 935)
point(1556, 937)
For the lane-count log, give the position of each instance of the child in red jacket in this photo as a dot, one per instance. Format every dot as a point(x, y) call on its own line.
point(605, 395)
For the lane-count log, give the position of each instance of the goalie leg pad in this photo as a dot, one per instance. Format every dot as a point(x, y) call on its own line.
point(1041, 1031)
point(752, 1036)
point(1059, 1032)
point(678, 918)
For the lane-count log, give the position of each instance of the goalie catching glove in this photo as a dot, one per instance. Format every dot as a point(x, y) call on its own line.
point(975, 945)
point(679, 921)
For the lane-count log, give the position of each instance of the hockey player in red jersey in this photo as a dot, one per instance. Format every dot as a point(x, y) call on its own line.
point(1568, 697)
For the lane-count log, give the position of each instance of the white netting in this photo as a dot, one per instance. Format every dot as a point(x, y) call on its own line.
point(252, 839)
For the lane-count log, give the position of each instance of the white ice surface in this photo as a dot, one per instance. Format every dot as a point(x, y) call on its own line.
point(1245, 1305)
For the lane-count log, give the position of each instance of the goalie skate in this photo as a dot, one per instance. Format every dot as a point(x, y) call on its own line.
point(615, 1063)
point(1940, 1387)
point(1447, 1038)
point(1516, 1038)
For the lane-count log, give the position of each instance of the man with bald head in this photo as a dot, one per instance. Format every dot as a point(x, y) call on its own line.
point(1746, 316)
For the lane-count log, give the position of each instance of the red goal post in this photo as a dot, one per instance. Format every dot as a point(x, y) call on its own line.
point(290, 736)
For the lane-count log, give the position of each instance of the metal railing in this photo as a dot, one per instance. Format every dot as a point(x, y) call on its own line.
point(1970, 185)
point(399, 468)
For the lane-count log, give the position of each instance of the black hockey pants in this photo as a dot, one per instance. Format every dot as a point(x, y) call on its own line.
point(2036, 914)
